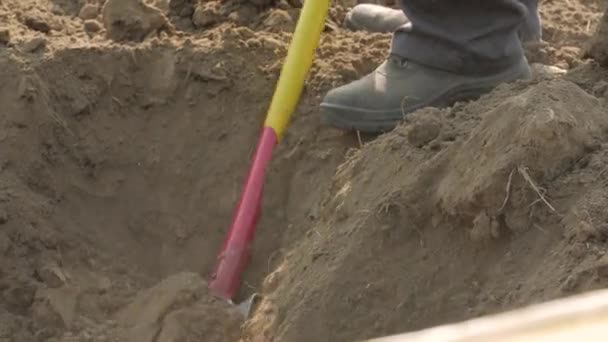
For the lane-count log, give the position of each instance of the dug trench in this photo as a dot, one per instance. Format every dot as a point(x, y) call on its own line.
point(121, 164)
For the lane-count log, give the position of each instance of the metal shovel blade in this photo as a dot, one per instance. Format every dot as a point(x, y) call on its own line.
point(245, 307)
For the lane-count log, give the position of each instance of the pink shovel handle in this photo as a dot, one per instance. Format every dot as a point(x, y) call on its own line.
point(236, 252)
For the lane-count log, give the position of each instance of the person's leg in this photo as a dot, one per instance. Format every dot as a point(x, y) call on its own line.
point(531, 31)
point(461, 36)
point(452, 50)
point(381, 19)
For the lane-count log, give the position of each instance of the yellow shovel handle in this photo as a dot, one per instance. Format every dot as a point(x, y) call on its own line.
point(297, 65)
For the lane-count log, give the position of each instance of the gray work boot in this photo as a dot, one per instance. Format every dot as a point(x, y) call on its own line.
point(381, 19)
point(380, 100)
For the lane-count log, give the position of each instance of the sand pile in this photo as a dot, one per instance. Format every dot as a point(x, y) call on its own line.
point(127, 128)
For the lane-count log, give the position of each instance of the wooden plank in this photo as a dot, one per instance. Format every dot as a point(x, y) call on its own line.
point(579, 318)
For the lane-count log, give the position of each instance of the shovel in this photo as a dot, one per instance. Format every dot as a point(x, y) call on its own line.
point(236, 252)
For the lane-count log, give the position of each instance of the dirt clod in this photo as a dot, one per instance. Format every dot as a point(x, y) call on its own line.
point(47, 322)
point(37, 23)
point(5, 36)
point(92, 26)
point(179, 308)
point(34, 44)
point(132, 20)
point(89, 11)
point(3, 216)
point(61, 301)
point(51, 275)
point(423, 131)
point(279, 20)
point(19, 297)
point(597, 48)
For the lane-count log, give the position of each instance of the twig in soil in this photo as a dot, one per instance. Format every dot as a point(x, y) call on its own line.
point(118, 102)
point(58, 120)
point(294, 149)
point(383, 209)
point(589, 216)
point(534, 203)
point(543, 191)
point(270, 260)
point(540, 228)
point(524, 173)
point(133, 57)
point(588, 28)
point(420, 236)
point(359, 139)
point(507, 192)
point(188, 73)
point(603, 172)
point(249, 285)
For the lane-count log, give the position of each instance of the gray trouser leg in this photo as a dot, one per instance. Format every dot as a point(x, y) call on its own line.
point(533, 30)
point(462, 36)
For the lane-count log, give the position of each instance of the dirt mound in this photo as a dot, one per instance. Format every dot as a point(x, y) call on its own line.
point(121, 162)
point(177, 309)
point(457, 213)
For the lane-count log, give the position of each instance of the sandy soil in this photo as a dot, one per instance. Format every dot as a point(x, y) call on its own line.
point(127, 127)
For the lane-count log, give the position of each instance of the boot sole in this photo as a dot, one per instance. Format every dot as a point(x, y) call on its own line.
point(350, 118)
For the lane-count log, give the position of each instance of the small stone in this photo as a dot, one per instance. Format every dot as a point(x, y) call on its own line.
point(92, 26)
point(5, 36)
point(52, 276)
point(56, 9)
point(34, 45)
point(37, 24)
point(543, 70)
point(271, 43)
point(88, 12)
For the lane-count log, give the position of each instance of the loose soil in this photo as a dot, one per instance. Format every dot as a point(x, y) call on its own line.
point(127, 128)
